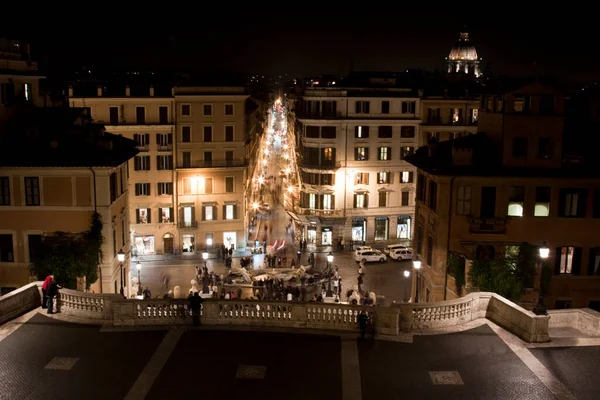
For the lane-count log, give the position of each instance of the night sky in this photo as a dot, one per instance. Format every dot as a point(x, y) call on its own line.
point(327, 43)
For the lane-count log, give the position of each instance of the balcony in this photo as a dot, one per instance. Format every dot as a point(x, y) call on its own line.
point(143, 147)
point(494, 225)
point(188, 224)
point(212, 164)
point(321, 213)
point(165, 147)
point(449, 121)
point(303, 114)
point(315, 164)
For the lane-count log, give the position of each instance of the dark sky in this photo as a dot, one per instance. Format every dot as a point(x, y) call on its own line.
point(553, 44)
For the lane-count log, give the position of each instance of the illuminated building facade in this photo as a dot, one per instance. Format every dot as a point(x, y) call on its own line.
point(355, 183)
point(463, 57)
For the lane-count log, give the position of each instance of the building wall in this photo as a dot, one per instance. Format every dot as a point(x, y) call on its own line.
point(147, 237)
point(346, 167)
point(445, 127)
point(553, 230)
point(66, 204)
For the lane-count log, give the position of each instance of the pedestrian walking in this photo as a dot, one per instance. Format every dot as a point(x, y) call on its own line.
point(51, 292)
point(363, 319)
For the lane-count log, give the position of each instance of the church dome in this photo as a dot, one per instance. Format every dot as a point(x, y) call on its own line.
point(463, 49)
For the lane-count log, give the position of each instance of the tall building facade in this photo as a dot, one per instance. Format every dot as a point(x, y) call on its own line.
point(355, 183)
point(56, 171)
point(187, 184)
point(511, 186)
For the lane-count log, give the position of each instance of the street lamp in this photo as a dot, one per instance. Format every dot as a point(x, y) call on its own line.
point(205, 257)
point(121, 258)
point(329, 261)
point(417, 267)
point(138, 266)
point(406, 276)
point(544, 252)
point(255, 206)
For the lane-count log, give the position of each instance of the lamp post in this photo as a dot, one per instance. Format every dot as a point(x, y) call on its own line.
point(121, 258)
point(544, 252)
point(138, 266)
point(205, 257)
point(417, 267)
point(406, 276)
point(329, 261)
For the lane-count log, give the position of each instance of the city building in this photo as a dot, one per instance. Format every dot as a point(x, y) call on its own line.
point(353, 140)
point(212, 166)
point(449, 113)
point(145, 114)
point(485, 195)
point(19, 77)
point(56, 170)
point(463, 58)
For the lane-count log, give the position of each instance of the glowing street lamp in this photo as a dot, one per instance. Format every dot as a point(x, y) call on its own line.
point(255, 206)
point(288, 171)
point(544, 251)
point(264, 162)
point(406, 276)
point(138, 266)
point(205, 257)
point(329, 261)
point(261, 180)
point(121, 258)
point(417, 267)
point(290, 189)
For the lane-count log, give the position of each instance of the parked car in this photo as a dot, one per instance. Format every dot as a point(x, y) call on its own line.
point(362, 248)
point(389, 249)
point(402, 254)
point(370, 256)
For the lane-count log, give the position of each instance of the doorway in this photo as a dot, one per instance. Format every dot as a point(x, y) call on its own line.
point(168, 244)
point(229, 240)
point(326, 237)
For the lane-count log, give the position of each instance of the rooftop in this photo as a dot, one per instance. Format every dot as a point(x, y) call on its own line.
point(437, 159)
point(60, 137)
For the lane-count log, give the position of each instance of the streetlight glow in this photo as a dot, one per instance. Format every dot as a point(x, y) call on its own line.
point(205, 255)
point(417, 263)
point(288, 171)
point(121, 256)
point(255, 205)
point(544, 251)
point(406, 273)
point(290, 189)
point(138, 266)
point(330, 257)
point(261, 180)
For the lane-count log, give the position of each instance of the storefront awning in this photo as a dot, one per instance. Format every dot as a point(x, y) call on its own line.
point(294, 216)
point(299, 218)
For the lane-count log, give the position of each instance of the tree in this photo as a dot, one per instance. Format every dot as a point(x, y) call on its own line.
point(456, 268)
point(498, 276)
point(70, 255)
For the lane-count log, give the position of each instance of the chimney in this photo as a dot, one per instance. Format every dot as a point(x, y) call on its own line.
point(70, 91)
point(99, 91)
point(127, 91)
point(151, 91)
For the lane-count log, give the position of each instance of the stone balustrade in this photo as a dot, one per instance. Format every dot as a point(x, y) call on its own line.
point(20, 301)
point(115, 310)
point(585, 320)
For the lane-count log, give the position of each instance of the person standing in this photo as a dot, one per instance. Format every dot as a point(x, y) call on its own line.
point(363, 318)
point(45, 285)
point(196, 305)
point(51, 292)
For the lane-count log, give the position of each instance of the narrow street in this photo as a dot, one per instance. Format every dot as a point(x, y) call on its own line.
point(275, 186)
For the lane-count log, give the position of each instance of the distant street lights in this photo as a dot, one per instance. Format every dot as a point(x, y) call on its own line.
point(121, 258)
point(138, 266)
point(406, 276)
point(329, 261)
point(205, 257)
point(417, 267)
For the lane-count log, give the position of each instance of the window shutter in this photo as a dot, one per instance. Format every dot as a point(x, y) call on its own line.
point(147, 136)
point(170, 138)
point(367, 154)
point(170, 158)
point(357, 108)
point(355, 201)
point(136, 163)
point(224, 211)
point(136, 137)
point(390, 178)
point(410, 177)
point(215, 209)
point(158, 138)
point(149, 214)
point(557, 253)
point(582, 203)
point(368, 107)
point(181, 219)
point(193, 215)
point(158, 166)
point(356, 131)
point(333, 201)
point(366, 200)
point(203, 213)
point(561, 203)
point(356, 153)
point(137, 216)
point(171, 215)
point(404, 107)
point(235, 207)
point(576, 270)
point(591, 261)
point(389, 155)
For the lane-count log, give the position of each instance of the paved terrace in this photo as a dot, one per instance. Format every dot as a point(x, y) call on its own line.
point(70, 356)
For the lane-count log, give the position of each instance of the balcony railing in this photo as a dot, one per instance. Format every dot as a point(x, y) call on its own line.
point(213, 164)
point(188, 224)
point(318, 114)
point(143, 147)
point(322, 165)
point(165, 147)
point(448, 121)
point(494, 225)
point(321, 213)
